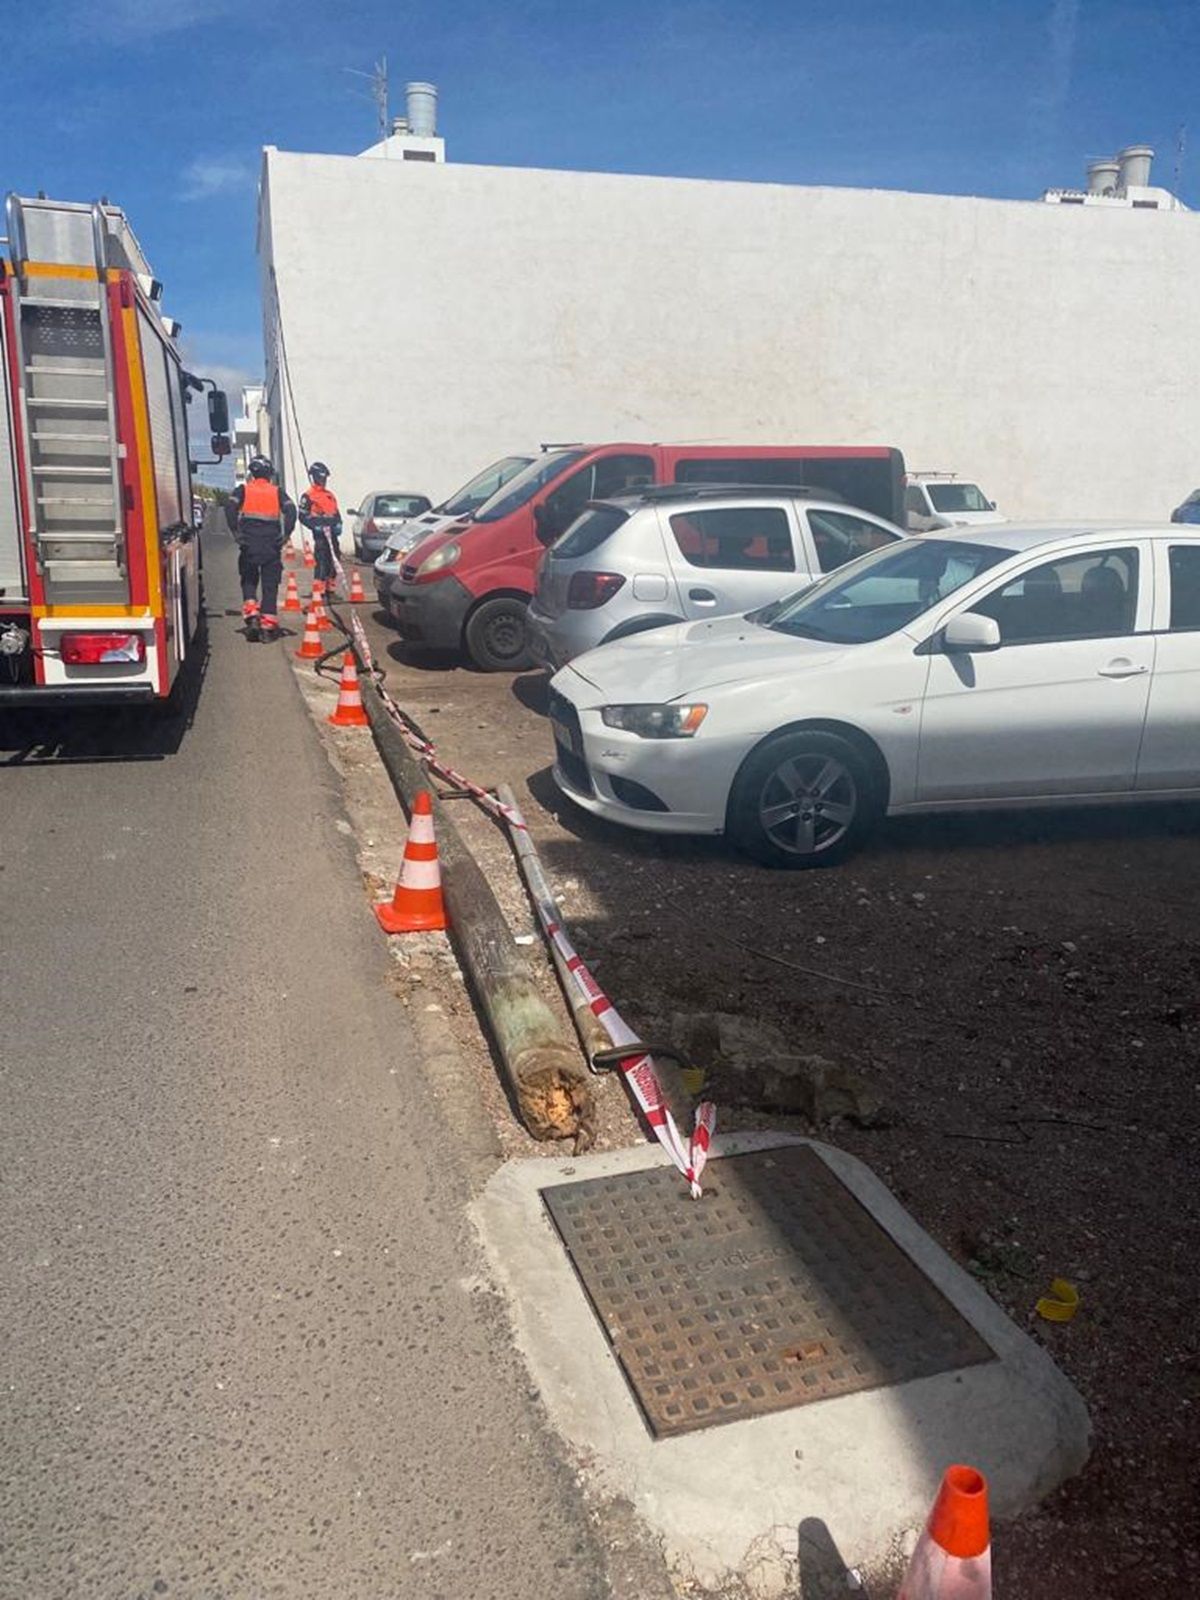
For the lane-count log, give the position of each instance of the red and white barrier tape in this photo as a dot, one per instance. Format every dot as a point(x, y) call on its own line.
point(637, 1071)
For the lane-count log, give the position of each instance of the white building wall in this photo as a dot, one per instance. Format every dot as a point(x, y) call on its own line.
point(441, 315)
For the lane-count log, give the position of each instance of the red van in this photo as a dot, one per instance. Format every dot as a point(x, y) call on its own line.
point(467, 587)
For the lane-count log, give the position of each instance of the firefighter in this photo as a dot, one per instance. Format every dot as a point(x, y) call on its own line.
point(319, 513)
point(260, 517)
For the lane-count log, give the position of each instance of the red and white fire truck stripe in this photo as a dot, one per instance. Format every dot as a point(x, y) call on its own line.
point(637, 1071)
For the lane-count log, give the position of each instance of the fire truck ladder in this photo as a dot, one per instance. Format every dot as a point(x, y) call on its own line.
point(67, 389)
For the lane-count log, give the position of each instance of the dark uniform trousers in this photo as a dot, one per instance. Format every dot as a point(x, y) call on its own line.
point(260, 562)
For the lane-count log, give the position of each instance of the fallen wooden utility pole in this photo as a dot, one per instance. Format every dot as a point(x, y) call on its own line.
point(592, 1036)
point(550, 1085)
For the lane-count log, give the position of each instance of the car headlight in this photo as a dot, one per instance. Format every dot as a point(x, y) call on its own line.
point(445, 557)
point(656, 722)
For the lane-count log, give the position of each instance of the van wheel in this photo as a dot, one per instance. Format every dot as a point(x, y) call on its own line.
point(803, 799)
point(496, 637)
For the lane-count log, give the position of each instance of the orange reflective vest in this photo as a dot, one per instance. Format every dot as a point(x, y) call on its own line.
point(261, 499)
point(320, 502)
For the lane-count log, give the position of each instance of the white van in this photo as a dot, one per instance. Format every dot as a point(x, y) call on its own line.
point(944, 500)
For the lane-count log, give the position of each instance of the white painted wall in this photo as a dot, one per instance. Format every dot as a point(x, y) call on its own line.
point(440, 315)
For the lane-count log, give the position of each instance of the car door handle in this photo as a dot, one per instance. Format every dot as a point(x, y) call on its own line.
point(1122, 667)
point(702, 597)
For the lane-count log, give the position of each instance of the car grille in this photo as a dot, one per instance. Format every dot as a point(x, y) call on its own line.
point(568, 743)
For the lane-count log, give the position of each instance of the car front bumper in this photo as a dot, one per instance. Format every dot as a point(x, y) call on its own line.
point(660, 785)
point(430, 614)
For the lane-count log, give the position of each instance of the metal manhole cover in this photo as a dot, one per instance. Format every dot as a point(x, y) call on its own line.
point(777, 1288)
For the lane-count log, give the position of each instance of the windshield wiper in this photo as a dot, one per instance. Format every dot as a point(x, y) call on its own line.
point(800, 630)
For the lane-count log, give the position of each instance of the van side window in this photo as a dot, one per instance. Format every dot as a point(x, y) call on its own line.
point(740, 539)
point(597, 481)
point(914, 500)
point(838, 537)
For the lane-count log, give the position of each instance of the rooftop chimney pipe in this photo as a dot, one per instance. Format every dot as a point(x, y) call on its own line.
point(1103, 176)
point(422, 109)
point(1135, 162)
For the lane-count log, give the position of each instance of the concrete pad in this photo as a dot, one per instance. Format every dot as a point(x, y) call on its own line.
point(748, 1497)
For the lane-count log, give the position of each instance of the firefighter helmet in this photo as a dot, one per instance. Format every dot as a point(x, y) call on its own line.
point(260, 467)
point(318, 472)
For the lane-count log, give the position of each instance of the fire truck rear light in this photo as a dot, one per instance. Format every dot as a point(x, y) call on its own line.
point(94, 649)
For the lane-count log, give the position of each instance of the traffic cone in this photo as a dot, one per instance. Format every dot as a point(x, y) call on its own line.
point(318, 605)
point(311, 648)
point(291, 595)
point(953, 1558)
point(310, 560)
point(348, 712)
point(289, 554)
point(416, 906)
point(357, 592)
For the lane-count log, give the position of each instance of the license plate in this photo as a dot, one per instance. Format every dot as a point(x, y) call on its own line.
point(565, 736)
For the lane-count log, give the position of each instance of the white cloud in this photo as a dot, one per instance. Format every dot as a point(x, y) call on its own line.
point(127, 21)
point(208, 176)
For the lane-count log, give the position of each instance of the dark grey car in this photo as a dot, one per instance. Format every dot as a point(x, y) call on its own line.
point(380, 515)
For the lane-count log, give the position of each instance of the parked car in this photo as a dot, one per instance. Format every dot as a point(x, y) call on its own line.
point(943, 500)
point(467, 588)
point(1189, 510)
point(1023, 667)
point(661, 555)
point(380, 515)
point(476, 492)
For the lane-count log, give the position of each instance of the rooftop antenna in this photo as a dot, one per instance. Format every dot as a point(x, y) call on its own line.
point(1180, 147)
point(377, 78)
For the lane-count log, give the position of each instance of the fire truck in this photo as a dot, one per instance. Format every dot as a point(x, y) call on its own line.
point(100, 564)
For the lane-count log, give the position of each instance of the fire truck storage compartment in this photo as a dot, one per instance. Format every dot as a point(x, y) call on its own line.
point(12, 567)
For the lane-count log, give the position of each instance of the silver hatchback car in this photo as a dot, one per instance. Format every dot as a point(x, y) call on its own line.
point(679, 552)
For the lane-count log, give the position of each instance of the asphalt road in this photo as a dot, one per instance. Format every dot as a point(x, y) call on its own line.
point(246, 1349)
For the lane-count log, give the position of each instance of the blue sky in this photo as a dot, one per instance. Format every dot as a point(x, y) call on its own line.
point(163, 105)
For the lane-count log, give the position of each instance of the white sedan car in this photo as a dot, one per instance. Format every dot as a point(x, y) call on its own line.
point(1003, 666)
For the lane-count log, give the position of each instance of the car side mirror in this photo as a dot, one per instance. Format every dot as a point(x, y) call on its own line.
point(969, 632)
point(991, 505)
point(220, 445)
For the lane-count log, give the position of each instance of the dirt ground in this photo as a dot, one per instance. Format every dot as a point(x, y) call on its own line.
point(1024, 992)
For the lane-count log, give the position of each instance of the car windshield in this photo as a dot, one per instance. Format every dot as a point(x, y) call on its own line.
point(526, 484)
point(884, 591)
point(957, 497)
point(400, 505)
point(484, 485)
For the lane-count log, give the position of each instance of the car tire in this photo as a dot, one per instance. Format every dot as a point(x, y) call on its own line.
point(803, 800)
point(496, 636)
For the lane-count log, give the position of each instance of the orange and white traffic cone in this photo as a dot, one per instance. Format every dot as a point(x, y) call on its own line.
point(318, 605)
point(357, 592)
point(291, 595)
point(348, 713)
point(417, 906)
point(953, 1558)
point(289, 554)
point(310, 560)
point(311, 648)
